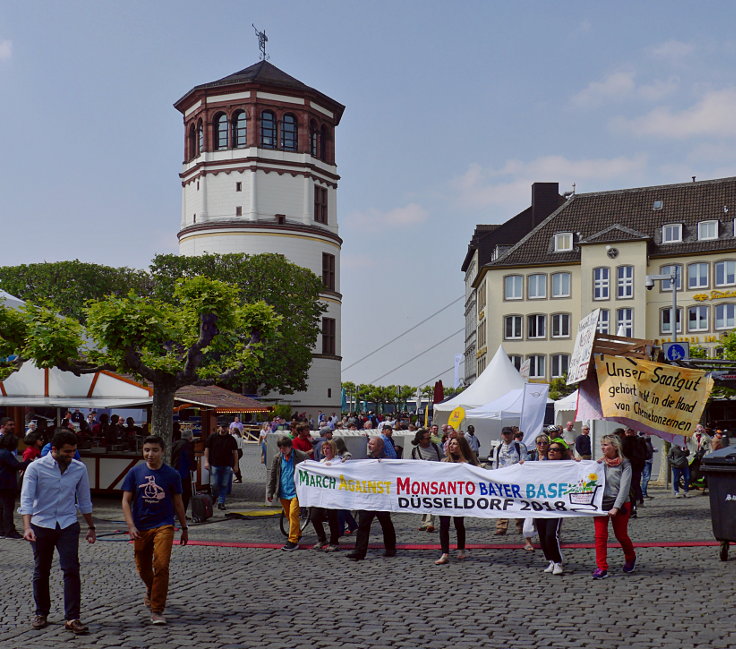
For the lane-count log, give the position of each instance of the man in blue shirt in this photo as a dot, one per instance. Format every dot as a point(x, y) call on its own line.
point(281, 483)
point(151, 496)
point(53, 487)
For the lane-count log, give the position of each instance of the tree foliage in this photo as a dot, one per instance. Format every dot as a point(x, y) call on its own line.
point(291, 290)
point(202, 335)
point(558, 388)
point(66, 286)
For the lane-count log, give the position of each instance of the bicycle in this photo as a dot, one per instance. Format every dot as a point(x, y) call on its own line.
point(304, 518)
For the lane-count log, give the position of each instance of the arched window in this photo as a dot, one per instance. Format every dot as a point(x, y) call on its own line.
point(220, 131)
point(192, 142)
point(288, 133)
point(239, 129)
point(268, 130)
point(323, 143)
point(200, 137)
point(313, 139)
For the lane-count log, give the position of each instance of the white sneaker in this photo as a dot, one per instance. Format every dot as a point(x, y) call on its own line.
point(550, 567)
point(678, 494)
point(557, 569)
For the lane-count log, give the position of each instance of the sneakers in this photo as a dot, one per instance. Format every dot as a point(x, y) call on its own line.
point(331, 548)
point(550, 567)
point(557, 569)
point(678, 494)
point(684, 495)
point(319, 546)
point(600, 574)
point(158, 618)
point(629, 566)
point(290, 546)
point(147, 600)
point(39, 622)
point(221, 506)
point(76, 627)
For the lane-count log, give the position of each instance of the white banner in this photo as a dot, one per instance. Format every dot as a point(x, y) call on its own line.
point(533, 408)
point(531, 490)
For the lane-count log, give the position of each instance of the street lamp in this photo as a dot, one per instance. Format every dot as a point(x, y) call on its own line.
point(672, 278)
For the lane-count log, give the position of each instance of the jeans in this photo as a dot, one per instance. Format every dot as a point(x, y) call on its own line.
point(620, 523)
point(220, 477)
point(66, 542)
point(292, 511)
point(152, 556)
point(646, 476)
point(676, 473)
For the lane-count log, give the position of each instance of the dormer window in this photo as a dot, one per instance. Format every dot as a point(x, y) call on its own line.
point(672, 233)
point(657, 205)
point(563, 242)
point(707, 230)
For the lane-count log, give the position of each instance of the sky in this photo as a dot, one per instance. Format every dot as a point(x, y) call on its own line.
point(452, 111)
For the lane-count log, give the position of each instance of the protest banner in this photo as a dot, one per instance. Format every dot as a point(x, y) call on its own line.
point(583, 348)
point(530, 490)
point(663, 397)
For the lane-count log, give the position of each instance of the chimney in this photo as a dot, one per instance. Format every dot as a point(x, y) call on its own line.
point(545, 200)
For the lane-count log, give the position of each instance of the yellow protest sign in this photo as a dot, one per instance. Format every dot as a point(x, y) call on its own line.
point(664, 397)
point(456, 417)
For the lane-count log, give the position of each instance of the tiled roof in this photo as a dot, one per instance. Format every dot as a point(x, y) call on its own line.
point(267, 74)
point(219, 399)
point(615, 233)
point(643, 211)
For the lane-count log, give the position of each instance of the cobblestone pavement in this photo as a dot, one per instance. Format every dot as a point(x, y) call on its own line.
point(239, 598)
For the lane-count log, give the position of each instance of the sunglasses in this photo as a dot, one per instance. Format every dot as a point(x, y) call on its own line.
point(542, 443)
point(556, 449)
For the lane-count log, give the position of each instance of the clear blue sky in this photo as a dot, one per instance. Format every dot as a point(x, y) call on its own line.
point(453, 110)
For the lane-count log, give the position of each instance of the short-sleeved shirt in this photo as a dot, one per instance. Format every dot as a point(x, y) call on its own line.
point(301, 444)
point(153, 495)
point(221, 449)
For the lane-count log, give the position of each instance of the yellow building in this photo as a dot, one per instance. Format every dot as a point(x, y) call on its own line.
point(595, 251)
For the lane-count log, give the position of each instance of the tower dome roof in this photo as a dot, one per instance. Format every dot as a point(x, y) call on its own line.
point(265, 74)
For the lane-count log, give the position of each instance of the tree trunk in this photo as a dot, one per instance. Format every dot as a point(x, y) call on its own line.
point(162, 412)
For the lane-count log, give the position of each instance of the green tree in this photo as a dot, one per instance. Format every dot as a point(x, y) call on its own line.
point(697, 351)
point(558, 388)
point(202, 336)
point(67, 285)
point(350, 388)
point(291, 290)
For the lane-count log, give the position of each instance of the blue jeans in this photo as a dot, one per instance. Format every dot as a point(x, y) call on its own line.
point(676, 473)
point(66, 542)
point(220, 477)
point(646, 476)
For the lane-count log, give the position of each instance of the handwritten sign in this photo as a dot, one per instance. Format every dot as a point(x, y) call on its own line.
point(663, 397)
point(583, 349)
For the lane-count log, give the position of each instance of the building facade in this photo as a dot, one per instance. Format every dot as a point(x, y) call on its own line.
point(259, 175)
point(595, 251)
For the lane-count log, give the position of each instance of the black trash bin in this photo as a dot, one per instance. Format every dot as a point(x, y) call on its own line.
point(720, 468)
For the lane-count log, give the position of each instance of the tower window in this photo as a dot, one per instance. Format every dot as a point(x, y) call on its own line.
point(239, 210)
point(200, 137)
point(268, 130)
point(221, 132)
point(328, 336)
point(288, 133)
point(313, 139)
point(239, 129)
point(328, 271)
point(323, 143)
point(192, 143)
point(238, 187)
point(320, 204)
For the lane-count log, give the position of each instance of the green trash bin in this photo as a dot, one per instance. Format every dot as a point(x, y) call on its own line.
point(720, 469)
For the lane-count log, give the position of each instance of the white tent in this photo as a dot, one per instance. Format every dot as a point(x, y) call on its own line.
point(565, 408)
point(496, 380)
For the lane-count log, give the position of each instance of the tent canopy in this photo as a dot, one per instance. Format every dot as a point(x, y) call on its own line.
point(494, 382)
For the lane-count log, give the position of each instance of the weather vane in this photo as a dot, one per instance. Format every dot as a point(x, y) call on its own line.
point(262, 40)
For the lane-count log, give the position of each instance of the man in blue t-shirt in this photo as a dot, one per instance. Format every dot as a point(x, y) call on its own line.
point(151, 497)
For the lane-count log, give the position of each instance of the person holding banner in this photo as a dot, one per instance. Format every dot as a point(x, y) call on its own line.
point(549, 528)
point(425, 449)
point(320, 514)
point(458, 452)
point(365, 518)
point(617, 470)
point(508, 452)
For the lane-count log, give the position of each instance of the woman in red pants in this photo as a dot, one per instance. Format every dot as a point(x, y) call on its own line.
point(616, 503)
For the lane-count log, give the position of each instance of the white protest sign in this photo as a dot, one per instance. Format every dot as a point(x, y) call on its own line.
point(583, 349)
point(531, 490)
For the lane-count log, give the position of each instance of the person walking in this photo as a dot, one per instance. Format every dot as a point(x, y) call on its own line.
point(281, 483)
point(220, 459)
point(54, 486)
point(152, 494)
point(680, 468)
point(458, 452)
point(582, 444)
point(617, 471)
point(9, 467)
point(549, 528)
point(365, 517)
point(425, 449)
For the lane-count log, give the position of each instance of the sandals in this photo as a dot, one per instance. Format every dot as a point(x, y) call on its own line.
point(445, 558)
